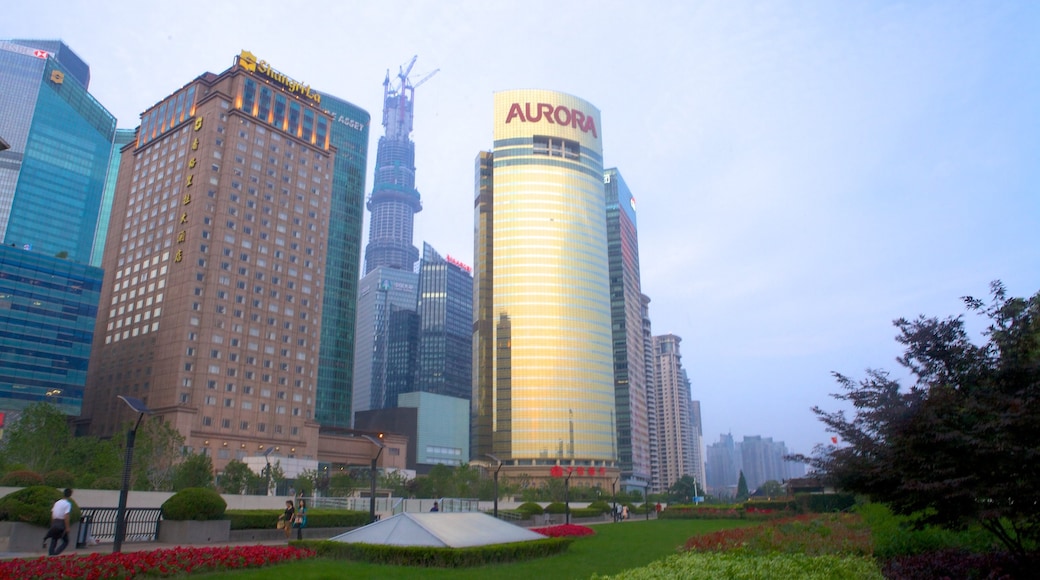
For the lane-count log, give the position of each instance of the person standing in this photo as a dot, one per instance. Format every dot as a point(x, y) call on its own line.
point(624, 512)
point(60, 525)
point(287, 517)
point(300, 519)
point(435, 508)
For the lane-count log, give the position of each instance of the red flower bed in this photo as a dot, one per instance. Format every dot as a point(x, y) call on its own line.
point(812, 534)
point(155, 563)
point(564, 531)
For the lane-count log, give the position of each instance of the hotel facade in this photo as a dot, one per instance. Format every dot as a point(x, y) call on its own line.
point(543, 384)
point(211, 307)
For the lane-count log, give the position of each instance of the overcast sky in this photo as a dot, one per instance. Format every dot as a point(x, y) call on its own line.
point(805, 172)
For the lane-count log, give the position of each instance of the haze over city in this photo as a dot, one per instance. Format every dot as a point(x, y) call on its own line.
point(805, 173)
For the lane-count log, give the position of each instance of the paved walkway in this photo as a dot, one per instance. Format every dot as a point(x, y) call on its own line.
point(106, 548)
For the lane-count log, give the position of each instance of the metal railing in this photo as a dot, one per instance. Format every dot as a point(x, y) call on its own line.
point(142, 524)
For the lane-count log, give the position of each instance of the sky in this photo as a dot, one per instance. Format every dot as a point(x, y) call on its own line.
point(806, 172)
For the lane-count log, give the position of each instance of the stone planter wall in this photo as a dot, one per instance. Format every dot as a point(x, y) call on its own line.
point(194, 532)
point(22, 538)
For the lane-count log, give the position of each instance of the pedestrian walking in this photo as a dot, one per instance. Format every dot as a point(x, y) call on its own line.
point(60, 525)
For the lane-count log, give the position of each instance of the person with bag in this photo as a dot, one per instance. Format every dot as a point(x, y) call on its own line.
point(300, 519)
point(285, 521)
point(60, 525)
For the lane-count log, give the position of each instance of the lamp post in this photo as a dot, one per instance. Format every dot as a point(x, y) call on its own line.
point(567, 493)
point(372, 494)
point(613, 498)
point(497, 469)
point(267, 458)
point(138, 406)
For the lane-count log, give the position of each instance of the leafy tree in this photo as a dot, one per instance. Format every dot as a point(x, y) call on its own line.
point(683, 490)
point(960, 444)
point(236, 477)
point(343, 484)
point(396, 482)
point(157, 451)
point(771, 488)
point(742, 490)
point(91, 459)
point(195, 471)
point(36, 439)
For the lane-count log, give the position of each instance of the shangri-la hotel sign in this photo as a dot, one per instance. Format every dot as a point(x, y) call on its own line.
point(248, 61)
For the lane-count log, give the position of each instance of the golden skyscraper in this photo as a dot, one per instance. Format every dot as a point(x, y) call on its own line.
point(543, 399)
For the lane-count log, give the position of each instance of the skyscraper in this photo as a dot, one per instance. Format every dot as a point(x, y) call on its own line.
point(394, 201)
point(626, 307)
point(349, 135)
point(543, 399)
point(214, 284)
point(390, 283)
point(52, 178)
point(445, 308)
point(656, 485)
point(674, 425)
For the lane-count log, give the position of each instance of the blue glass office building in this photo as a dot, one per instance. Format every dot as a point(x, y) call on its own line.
point(52, 179)
point(48, 307)
point(349, 135)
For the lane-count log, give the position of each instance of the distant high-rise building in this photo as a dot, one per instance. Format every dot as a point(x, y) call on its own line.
point(762, 460)
point(697, 445)
point(445, 309)
point(656, 478)
point(395, 200)
point(384, 295)
point(543, 398)
point(723, 466)
point(214, 266)
point(674, 426)
point(626, 309)
point(122, 138)
point(349, 135)
point(52, 178)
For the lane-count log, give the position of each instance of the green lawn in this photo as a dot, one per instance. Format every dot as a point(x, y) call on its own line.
point(614, 548)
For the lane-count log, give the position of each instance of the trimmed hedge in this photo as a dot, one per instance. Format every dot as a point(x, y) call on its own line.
point(556, 507)
point(194, 503)
point(32, 505)
point(530, 508)
point(824, 502)
point(316, 518)
point(437, 557)
point(588, 512)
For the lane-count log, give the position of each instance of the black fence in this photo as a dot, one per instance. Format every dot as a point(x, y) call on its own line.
point(99, 525)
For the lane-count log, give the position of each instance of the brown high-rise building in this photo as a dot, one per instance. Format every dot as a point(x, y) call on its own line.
point(214, 264)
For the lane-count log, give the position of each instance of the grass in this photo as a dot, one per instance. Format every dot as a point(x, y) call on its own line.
point(613, 549)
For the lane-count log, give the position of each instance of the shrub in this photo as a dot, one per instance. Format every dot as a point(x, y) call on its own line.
point(194, 503)
point(600, 505)
point(953, 563)
point(32, 505)
point(556, 507)
point(316, 518)
point(59, 478)
point(586, 513)
point(530, 508)
point(437, 557)
point(106, 482)
point(824, 502)
point(896, 535)
point(21, 478)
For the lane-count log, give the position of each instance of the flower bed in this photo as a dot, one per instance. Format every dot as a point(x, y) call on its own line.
point(155, 563)
point(812, 534)
point(564, 531)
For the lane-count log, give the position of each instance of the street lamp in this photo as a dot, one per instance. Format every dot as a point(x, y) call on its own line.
point(567, 493)
point(138, 406)
point(497, 469)
point(267, 458)
point(372, 495)
point(613, 496)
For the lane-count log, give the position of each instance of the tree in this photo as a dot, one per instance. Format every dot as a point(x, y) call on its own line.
point(37, 439)
point(742, 490)
point(343, 484)
point(683, 490)
point(236, 478)
point(157, 451)
point(960, 444)
point(195, 471)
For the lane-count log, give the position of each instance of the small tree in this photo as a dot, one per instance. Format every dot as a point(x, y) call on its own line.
point(236, 477)
point(742, 490)
point(771, 488)
point(36, 440)
point(960, 445)
point(157, 451)
point(195, 471)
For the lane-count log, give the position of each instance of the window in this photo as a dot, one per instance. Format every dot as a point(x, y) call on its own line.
point(556, 147)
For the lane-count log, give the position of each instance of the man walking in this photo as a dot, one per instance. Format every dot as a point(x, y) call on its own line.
point(59, 524)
